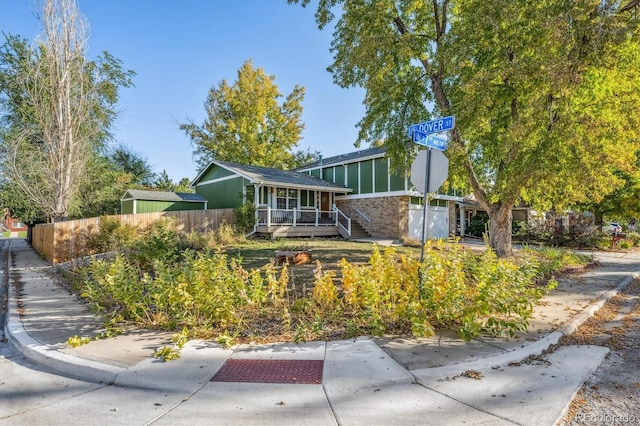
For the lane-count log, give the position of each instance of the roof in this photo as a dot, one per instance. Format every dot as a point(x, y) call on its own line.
point(345, 158)
point(140, 194)
point(269, 176)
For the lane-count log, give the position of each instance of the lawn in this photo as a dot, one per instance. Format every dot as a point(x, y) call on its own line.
point(255, 253)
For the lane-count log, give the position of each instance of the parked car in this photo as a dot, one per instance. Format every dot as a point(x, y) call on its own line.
point(612, 228)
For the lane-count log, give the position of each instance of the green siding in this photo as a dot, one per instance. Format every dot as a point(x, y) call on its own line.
point(366, 177)
point(223, 194)
point(315, 173)
point(149, 206)
point(352, 177)
point(327, 174)
point(397, 182)
point(382, 175)
point(126, 207)
point(339, 172)
point(215, 172)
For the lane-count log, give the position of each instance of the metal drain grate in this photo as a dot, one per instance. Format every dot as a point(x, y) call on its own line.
point(271, 371)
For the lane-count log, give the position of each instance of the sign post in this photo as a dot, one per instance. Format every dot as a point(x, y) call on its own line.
point(422, 134)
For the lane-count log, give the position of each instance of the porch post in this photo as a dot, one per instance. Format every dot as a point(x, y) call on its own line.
point(294, 217)
point(256, 203)
point(317, 212)
point(268, 215)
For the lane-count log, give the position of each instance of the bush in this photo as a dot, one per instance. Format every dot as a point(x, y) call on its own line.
point(245, 216)
point(478, 224)
point(211, 294)
point(112, 235)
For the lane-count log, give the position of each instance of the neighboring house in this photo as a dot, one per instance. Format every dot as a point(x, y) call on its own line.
point(356, 194)
point(141, 201)
point(288, 203)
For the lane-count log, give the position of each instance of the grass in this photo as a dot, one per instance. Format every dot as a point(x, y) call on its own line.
point(21, 234)
point(255, 253)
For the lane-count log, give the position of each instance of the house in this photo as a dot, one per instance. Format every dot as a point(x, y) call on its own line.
point(383, 200)
point(354, 195)
point(288, 203)
point(13, 225)
point(142, 201)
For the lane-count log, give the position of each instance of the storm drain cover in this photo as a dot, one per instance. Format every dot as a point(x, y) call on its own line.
point(308, 372)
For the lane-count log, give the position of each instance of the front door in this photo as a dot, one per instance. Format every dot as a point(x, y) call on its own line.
point(325, 203)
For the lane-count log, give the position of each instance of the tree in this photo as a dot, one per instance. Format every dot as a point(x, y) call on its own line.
point(246, 123)
point(128, 161)
point(545, 93)
point(164, 183)
point(57, 108)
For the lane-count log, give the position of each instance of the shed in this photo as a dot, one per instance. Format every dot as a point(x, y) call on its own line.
point(142, 201)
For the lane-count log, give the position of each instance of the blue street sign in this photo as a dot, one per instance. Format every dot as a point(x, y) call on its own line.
point(430, 141)
point(433, 126)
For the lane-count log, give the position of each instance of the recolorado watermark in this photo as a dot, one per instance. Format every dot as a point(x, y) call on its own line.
point(607, 418)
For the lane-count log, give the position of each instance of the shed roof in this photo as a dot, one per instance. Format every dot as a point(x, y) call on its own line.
point(141, 194)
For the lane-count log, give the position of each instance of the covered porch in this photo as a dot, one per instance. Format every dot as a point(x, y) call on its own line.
point(302, 222)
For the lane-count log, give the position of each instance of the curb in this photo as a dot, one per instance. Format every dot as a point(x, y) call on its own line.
point(98, 372)
point(35, 351)
point(534, 348)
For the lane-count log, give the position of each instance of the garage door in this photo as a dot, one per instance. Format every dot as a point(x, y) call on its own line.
point(438, 218)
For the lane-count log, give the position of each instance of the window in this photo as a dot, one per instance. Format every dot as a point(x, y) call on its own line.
point(307, 198)
point(286, 198)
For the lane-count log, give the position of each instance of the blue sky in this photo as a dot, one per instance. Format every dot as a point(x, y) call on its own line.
point(181, 48)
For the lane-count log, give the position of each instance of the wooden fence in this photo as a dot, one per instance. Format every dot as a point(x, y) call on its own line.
point(63, 241)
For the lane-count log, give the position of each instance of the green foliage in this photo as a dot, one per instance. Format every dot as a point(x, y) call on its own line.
point(478, 225)
point(207, 294)
point(544, 93)
point(112, 235)
point(48, 162)
point(245, 216)
point(249, 111)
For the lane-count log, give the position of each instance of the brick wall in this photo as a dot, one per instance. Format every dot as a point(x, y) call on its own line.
point(389, 215)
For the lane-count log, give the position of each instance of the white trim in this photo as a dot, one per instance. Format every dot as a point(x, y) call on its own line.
point(222, 179)
point(398, 194)
point(343, 162)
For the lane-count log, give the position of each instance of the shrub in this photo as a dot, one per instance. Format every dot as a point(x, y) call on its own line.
point(478, 224)
point(112, 235)
point(245, 216)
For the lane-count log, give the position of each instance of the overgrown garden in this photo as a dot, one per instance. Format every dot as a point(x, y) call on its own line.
point(197, 284)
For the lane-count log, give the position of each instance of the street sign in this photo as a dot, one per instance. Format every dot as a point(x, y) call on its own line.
point(438, 170)
point(434, 126)
point(429, 141)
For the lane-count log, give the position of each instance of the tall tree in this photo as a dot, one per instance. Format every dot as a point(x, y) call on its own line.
point(128, 161)
point(247, 124)
point(57, 108)
point(545, 93)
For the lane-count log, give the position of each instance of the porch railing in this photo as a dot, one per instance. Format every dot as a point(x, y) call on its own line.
point(296, 217)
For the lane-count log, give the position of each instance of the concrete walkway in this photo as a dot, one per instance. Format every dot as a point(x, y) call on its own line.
point(364, 381)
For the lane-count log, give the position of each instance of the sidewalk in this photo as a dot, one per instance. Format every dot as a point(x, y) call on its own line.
point(440, 380)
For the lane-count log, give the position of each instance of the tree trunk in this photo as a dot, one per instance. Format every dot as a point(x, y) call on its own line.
point(500, 230)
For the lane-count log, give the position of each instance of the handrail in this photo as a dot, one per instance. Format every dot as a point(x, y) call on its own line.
point(361, 213)
point(340, 214)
